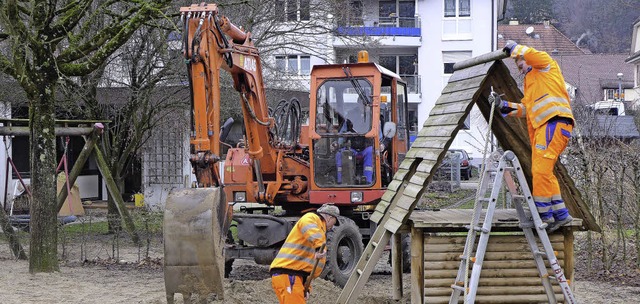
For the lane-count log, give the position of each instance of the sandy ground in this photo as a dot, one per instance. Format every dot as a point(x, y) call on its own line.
point(249, 283)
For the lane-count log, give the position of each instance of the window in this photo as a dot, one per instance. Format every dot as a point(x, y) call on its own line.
point(402, 14)
point(610, 94)
point(294, 64)
point(457, 8)
point(406, 67)
point(351, 15)
point(457, 20)
point(450, 58)
point(292, 10)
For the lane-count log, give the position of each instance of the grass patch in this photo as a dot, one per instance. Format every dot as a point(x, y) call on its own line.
point(143, 221)
point(86, 227)
point(441, 199)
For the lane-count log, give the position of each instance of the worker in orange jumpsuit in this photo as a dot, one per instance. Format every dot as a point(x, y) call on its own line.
point(546, 105)
point(295, 261)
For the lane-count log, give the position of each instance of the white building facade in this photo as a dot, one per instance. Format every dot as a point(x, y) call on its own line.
point(420, 40)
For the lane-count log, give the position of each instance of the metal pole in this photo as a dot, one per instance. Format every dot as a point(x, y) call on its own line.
point(620, 86)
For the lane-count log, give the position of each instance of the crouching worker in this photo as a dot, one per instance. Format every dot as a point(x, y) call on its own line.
point(303, 249)
point(550, 123)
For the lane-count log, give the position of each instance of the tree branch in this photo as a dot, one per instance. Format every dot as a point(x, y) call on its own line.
point(71, 15)
point(103, 51)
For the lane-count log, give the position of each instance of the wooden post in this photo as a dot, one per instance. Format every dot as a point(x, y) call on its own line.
point(417, 266)
point(82, 159)
point(59, 131)
point(569, 262)
point(484, 58)
point(396, 265)
point(115, 193)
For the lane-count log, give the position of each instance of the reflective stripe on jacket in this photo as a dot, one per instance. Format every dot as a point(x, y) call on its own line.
point(545, 92)
point(298, 251)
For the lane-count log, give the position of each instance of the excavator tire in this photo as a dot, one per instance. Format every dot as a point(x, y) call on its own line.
point(406, 253)
point(344, 248)
point(193, 244)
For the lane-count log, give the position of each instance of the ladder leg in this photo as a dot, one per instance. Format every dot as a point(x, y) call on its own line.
point(542, 235)
point(485, 230)
point(365, 266)
point(459, 284)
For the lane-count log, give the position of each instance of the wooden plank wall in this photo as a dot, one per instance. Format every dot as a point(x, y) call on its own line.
point(508, 274)
point(428, 150)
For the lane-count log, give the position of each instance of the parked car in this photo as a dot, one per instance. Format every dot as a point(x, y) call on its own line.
point(457, 154)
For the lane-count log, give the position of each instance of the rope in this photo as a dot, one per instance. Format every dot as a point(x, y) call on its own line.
point(63, 162)
point(493, 98)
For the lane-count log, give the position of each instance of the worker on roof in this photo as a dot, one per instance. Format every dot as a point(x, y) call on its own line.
point(303, 248)
point(546, 105)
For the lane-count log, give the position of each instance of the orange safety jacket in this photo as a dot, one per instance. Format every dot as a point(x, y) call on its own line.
point(297, 254)
point(545, 93)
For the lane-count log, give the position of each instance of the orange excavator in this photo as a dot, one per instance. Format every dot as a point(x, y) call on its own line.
point(344, 153)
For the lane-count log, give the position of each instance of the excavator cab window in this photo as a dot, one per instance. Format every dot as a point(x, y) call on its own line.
point(344, 156)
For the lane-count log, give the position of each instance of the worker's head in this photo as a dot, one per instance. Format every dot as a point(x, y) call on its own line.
point(523, 67)
point(330, 214)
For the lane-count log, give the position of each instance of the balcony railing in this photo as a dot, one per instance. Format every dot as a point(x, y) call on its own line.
point(413, 83)
point(383, 26)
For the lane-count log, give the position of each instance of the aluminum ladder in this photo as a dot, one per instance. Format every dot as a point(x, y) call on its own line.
point(498, 174)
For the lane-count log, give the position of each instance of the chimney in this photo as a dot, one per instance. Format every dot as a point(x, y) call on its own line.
point(513, 22)
point(546, 23)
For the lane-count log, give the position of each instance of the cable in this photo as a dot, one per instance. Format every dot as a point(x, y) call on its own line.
point(287, 115)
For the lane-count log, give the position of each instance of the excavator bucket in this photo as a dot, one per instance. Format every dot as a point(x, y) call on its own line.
point(194, 239)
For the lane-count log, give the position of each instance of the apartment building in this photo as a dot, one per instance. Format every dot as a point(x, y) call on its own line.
point(420, 40)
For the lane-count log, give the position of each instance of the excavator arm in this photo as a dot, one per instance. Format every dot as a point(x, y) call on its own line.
point(197, 220)
point(211, 43)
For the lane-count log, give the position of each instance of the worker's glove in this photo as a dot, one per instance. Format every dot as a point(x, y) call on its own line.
point(504, 108)
point(509, 46)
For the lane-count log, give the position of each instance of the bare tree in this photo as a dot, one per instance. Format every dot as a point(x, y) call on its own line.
point(602, 26)
point(41, 42)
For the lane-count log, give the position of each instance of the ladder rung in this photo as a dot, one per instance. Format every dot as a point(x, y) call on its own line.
point(458, 288)
point(484, 199)
point(527, 225)
point(359, 271)
point(374, 244)
point(480, 229)
point(540, 253)
point(517, 197)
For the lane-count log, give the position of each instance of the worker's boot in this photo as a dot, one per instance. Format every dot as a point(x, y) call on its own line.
point(547, 222)
point(559, 223)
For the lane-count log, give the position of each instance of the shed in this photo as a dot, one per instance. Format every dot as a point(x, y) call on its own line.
point(470, 84)
point(509, 274)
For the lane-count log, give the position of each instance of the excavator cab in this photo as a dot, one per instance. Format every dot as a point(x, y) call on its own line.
point(358, 130)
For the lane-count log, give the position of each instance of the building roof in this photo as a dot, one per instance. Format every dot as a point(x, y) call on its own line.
point(589, 73)
point(544, 38)
point(610, 126)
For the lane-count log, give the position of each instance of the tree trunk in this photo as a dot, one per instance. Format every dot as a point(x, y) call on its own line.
point(43, 254)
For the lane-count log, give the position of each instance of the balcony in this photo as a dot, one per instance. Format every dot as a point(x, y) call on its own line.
point(413, 83)
point(382, 26)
